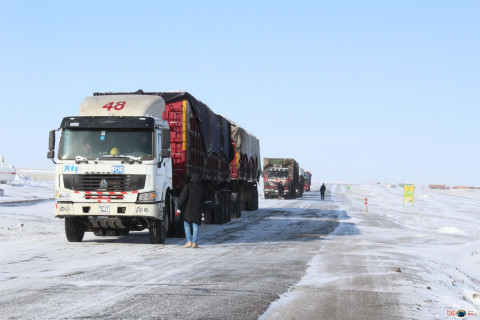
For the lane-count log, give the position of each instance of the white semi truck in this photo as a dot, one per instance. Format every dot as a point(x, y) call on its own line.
point(123, 161)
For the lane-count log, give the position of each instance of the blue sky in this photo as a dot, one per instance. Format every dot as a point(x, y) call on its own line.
point(356, 91)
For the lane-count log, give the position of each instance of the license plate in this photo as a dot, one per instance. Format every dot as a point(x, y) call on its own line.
point(104, 208)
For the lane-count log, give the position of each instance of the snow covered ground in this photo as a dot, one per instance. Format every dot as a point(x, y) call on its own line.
point(428, 254)
point(394, 261)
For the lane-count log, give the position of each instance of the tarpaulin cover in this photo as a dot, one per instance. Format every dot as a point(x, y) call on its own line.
point(246, 143)
point(215, 129)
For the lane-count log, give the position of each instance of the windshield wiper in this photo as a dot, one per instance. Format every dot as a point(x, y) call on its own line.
point(130, 159)
point(79, 159)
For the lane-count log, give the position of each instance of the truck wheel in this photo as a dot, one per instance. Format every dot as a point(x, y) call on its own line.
point(252, 205)
point(227, 197)
point(74, 229)
point(255, 200)
point(157, 231)
point(220, 210)
point(233, 198)
point(236, 205)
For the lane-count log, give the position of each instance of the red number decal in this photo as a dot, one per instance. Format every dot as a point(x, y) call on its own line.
point(108, 106)
point(117, 106)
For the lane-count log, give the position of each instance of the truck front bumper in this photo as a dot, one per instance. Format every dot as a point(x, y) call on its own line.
point(146, 210)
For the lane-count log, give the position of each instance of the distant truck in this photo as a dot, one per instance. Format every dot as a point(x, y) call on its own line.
point(123, 161)
point(308, 181)
point(279, 172)
point(7, 171)
point(301, 183)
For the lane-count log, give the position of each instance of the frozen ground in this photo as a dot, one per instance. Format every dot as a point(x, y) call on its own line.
point(426, 256)
point(291, 259)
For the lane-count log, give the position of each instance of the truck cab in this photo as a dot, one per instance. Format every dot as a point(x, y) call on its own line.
point(277, 183)
point(113, 170)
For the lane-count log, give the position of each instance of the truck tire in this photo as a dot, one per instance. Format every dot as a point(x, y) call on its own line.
point(228, 206)
point(219, 211)
point(255, 200)
point(157, 230)
point(74, 229)
point(236, 205)
point(252, 205)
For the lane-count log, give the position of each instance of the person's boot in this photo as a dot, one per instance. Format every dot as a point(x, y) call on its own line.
point(194, 245)
point(188, 244)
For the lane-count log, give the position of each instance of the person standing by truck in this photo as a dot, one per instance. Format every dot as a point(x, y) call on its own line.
point(191, 202)
point(322, 191)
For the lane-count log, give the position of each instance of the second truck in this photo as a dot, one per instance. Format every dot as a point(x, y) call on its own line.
point(282, 178)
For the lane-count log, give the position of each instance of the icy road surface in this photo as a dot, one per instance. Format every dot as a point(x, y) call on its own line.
point(291, 259)
point(239, 269)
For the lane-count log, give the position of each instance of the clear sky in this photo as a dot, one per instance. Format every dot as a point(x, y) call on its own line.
point(356, 91)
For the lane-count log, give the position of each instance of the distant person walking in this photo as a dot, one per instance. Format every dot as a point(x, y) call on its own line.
point(191, 203)
point(322, 191)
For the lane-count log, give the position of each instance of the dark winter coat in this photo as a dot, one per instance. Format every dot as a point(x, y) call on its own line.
point(323, 188)
point(192, 200)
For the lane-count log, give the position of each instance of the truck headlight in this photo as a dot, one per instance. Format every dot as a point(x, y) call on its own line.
point(146, 197)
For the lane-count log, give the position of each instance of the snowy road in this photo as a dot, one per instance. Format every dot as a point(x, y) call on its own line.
point(239, 270)
point(291, 259)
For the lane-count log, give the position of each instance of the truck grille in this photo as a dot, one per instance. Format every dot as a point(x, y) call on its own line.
point(104, 182)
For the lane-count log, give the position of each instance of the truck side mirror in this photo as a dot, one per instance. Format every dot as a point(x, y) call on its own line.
point(51, 145)
point(165, 152)
point(165, 139)
point(165, 146)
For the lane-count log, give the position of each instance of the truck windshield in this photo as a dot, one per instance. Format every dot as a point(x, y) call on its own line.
point(95, 143)
point(277, 175)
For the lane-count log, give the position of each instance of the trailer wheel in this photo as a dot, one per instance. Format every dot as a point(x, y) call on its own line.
point(252, 205)
point(236, 205)
point(219, 211)
point(228, 206)
point(74, 229)
point(239, 205)
point(157, 230)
